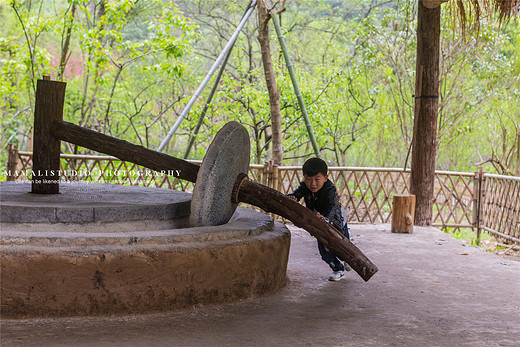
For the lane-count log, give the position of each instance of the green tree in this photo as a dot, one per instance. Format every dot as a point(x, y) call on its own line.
point(129, 57)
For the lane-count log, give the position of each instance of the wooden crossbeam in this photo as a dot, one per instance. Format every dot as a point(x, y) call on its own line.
point(124, 150)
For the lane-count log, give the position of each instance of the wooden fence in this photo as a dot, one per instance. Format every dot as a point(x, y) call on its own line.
point(461, 200)
point(499, 211)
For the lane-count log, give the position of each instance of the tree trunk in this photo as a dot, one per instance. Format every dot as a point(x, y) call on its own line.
point(66, 44)
point(426, 112)
point(274, 95)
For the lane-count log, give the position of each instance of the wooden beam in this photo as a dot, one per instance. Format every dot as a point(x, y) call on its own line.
point(271, 200)
point(50, 96)
point(124, 150)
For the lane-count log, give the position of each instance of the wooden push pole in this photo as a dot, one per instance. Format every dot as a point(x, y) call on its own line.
point(403, 213)
point(271, 200)
point(50, 96)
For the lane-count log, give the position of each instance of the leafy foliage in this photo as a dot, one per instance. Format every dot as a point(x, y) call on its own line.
point(131, 67)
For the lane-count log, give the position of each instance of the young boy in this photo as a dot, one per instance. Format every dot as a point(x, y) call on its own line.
point(320, 195)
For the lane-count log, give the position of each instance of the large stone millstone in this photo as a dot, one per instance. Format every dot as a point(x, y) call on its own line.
point(226, 158)
point(103, 249)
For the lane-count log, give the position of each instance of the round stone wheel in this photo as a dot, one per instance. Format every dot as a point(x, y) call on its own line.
point(227, 157)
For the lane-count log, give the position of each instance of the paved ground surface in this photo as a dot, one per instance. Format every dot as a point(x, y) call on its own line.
point(431, 290)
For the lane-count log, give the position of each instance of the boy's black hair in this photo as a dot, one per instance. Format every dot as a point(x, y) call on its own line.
point(314, 166)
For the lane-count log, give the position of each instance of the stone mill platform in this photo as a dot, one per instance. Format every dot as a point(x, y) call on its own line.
point(102, 249)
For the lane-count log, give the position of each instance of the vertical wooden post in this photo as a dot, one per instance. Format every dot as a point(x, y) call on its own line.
point(270, 173)
point(480, 202)
point(476, 203)
point(476, 191)
point(50, 96)
point(12, 163)
point(30, 142)
point(518, 154)
point(276, 178)
point(265, 172)
point(422, 176)
point(403, 208)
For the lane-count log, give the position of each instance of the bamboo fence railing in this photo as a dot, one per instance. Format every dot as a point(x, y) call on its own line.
point(461, 200)
point(500, 207)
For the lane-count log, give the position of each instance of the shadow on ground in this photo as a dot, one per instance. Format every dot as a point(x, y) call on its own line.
point(430, 290)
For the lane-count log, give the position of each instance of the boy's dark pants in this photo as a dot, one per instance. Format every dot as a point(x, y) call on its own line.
point(328, 255)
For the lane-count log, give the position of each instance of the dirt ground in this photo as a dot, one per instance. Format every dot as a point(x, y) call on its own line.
point(431, 290)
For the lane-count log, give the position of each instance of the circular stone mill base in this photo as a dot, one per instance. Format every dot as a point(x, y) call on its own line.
point(98, 249)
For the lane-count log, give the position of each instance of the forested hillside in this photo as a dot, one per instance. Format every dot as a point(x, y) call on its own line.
point(132, 66)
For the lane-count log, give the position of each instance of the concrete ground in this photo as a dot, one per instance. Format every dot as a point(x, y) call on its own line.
point(431, 290)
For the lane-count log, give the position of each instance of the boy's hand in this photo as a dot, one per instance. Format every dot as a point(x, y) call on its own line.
point(292, 197)
point(322, 217)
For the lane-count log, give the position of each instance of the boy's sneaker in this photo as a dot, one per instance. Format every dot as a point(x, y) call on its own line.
point(347, 267)
point(337, 275)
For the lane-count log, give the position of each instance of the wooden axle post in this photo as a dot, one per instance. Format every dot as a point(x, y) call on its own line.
point(50, 96)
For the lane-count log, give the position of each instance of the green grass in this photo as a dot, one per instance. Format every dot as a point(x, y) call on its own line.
point(467, 235)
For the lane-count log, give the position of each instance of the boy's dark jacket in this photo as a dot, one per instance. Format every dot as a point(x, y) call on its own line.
point(324, 201)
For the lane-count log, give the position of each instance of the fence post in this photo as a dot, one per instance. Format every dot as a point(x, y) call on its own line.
point(477, 201)
point(12, 162)
point(481, 197)
point(276, 180)
point(50, 96)
point(30, 142)
point(265, 171)
point(270, 182)
point(518, 154)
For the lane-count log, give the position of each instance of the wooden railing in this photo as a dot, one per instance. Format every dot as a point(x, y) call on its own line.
point(453, 199)
point(499, 210)
point(461, 200)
